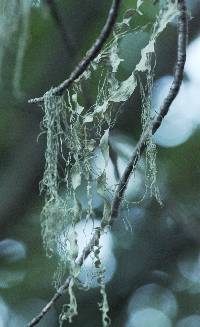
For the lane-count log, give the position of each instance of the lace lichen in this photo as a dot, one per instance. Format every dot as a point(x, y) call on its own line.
point(103, 305)
point(73, 133)
point(69, 310)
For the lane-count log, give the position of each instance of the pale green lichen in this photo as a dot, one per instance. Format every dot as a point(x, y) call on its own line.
point(69, 310)
point(73, 132)
point(103, 305)
point(147, 65)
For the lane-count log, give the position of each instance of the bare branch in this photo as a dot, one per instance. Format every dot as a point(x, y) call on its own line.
point(91, 55)
point(174, 89)
point(49, 305)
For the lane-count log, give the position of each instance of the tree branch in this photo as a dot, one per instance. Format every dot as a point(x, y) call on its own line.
point(63, 288)
point(174, 89)
point(69, 44)
point(118, 196)
point(91, 55)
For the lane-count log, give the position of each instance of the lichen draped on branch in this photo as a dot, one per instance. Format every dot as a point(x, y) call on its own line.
point(72, 142)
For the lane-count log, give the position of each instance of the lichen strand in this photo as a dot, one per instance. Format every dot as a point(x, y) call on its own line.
point(62, 208)
point(69, 310)
point(103, 305)
point(73, 133)
point(147, 65)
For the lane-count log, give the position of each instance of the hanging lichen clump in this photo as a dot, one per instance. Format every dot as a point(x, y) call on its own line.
point(73, 134)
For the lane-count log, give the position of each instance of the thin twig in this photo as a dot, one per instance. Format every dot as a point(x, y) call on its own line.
point(91, 55)
point(69, 44)
point(174, 89)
